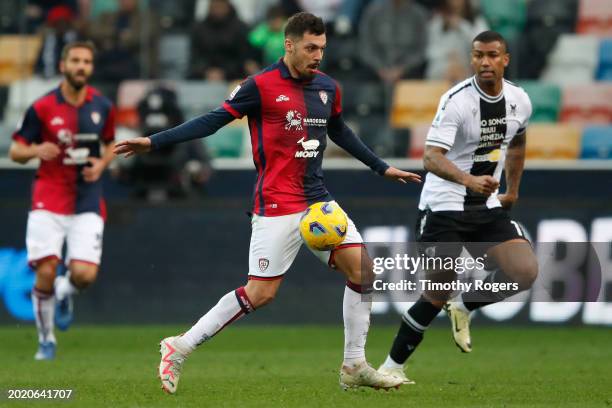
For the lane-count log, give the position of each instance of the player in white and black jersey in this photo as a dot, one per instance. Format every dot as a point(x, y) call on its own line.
point(479, 130)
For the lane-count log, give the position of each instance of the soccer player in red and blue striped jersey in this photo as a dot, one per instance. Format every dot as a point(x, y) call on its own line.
point(65, 129)
point(291, 107)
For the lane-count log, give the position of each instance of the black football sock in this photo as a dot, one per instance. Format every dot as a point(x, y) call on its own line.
point(414, 323)
point(479, 298)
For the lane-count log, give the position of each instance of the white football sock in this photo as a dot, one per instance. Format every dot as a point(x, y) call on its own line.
point(356, 311)
point(44, 312)
point(64, 288)
point(230, 308)
point(390, 363)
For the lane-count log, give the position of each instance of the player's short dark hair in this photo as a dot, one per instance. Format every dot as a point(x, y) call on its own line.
point(489, 37)
point(78, 44)
point(303, 22)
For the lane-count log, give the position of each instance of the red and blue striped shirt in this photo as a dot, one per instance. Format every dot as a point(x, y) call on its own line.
point(78, 131)
point(289, 120)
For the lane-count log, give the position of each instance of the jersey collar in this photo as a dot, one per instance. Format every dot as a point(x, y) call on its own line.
point(286, 74)
point(484, 95)
point(60, 98)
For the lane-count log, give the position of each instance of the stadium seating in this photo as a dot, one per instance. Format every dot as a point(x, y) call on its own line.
point(6, 133)
point(199, 97)
point(553, 141)
point(604, 71)
point(342, 59)
point(418, 135)
point(589, 103)
point(174, 56)
point(227, 142)
point(362, 98)
point(546, 21)
point(573, 60)
point(416, 102)
point(508, 17)
point(18, 55)
point(129, 94)
point(22, 93)
point(595, 17)
point(545, 100)
point(597, 142)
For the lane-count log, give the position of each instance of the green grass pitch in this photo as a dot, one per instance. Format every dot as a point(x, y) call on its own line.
point(291, 366)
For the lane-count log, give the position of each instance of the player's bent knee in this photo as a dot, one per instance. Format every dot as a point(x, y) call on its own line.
point(82, 274)
point(46, 272)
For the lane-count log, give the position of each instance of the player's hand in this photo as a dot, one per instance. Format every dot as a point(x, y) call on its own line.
point(94, 170)
point(47, 151)
point(482, 184)
point(507, 200)
point(133, 146)
point(402, 176)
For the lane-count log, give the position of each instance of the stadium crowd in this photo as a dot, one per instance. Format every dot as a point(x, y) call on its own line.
point(393, 58)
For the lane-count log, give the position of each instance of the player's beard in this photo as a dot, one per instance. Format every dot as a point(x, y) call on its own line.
point(77, 84)
point(306, 74)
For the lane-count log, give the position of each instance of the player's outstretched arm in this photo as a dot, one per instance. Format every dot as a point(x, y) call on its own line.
point(199, 127)
point(402, 176)
point(344, 137)
point(132, 146)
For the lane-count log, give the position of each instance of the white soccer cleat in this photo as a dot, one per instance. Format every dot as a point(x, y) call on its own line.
point(364, 375)
point(170, 365)
point(395, 372)
point(460, 320)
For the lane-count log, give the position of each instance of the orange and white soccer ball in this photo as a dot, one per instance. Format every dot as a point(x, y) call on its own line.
point(323, 226)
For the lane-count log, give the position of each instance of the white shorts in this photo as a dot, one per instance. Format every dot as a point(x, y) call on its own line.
point(47, 231)
point(276, 241)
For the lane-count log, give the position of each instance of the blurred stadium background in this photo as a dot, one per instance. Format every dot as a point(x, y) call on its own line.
point(177, 234)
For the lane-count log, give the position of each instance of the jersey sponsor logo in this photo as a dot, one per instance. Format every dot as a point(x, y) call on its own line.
point(492, 156)
point(57, 121)
point(76, 156)
point(96, 117)
point(310, 149)
point(294, 120)
point(321, 122)
point(282, 98)
point(323, 96)
point(234, 92)
point(492, 132)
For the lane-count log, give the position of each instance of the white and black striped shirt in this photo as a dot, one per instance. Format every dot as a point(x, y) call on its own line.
point(476, 129)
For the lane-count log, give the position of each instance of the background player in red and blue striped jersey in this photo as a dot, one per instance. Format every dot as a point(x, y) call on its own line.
point(65, 129)
point(291, 108)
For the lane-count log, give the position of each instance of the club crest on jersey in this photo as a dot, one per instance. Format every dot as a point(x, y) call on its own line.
point(323, 96)
point(294, 120)
point(310, 149)
point(263, 264)
point(513, 109)
point(57, 121)
point(95, 117)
